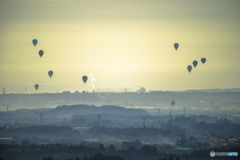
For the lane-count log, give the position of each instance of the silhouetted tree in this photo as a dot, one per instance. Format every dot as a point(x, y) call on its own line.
point(25, 142)
point(170, 157)
point(97, 156)
point(85, 158)
point(149, 149)
point(111, 148)
point(101, 147)
point(47, 158)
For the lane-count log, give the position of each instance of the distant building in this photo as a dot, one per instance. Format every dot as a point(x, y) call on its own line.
point(141, 90)
point(66, 92)
point(76, 92)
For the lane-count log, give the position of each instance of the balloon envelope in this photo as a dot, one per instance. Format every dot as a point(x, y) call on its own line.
point(34, 41)
point(176, 45)
point(36, 86)
point(203, 60)
point(195, 63)
point(84, 78)
point(41, 53)
point(189, 68)
point(173, 103)
point(50, 73)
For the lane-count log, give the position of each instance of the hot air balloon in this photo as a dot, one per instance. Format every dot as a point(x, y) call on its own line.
point(84, 78)
point(195, 63)
point(40, 53)
point(36, 86)
point(173, 103)
point(50, 73)
point(189, 68)
point(203, 60)
point(34, 41)
point(176, 45)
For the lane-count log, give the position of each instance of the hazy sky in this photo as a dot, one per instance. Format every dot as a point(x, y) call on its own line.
point(123, 43)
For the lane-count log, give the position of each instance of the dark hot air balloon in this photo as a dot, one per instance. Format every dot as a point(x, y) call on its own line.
point(176, 45)
point(189, 68)
point(84, 78)
point(36, 86)
point(203, 60)
point(195, 63)
point(50, 73)
point(34, 41)
point(173, 103)
point(40, 53)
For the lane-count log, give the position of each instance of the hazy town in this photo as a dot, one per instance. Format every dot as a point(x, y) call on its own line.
point(184, 124)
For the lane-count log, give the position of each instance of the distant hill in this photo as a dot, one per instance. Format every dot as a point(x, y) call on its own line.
point(207, 102)
point(69, 110)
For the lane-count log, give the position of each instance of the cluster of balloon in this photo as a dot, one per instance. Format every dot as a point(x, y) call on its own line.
point(50, 73)
point(195, 63)
point(176, 45)
point(35, 41)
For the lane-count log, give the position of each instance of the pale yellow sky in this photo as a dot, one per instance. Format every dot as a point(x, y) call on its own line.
point(124, 43)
